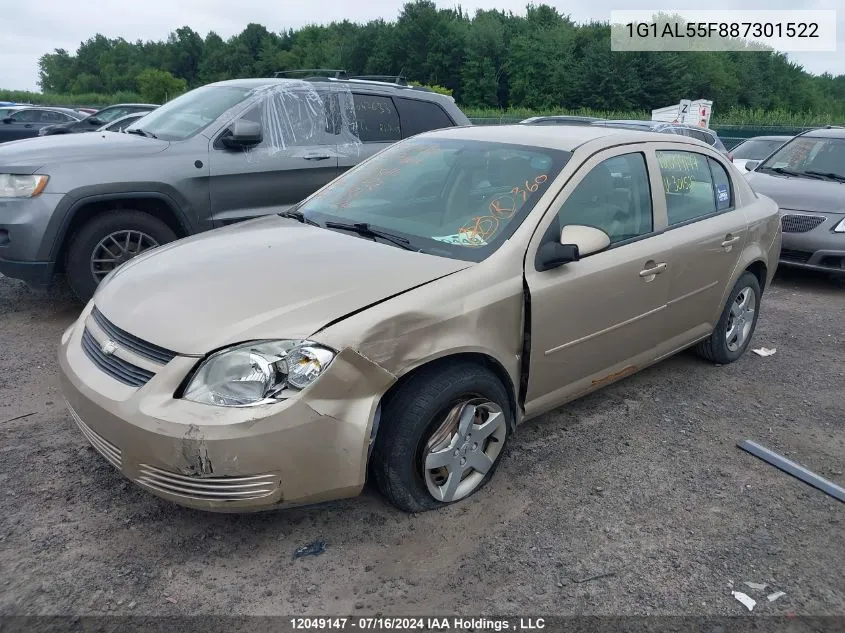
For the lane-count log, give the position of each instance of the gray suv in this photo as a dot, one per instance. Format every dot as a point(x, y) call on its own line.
point(82, 204)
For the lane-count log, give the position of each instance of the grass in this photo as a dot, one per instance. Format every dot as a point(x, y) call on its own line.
point(746, 117)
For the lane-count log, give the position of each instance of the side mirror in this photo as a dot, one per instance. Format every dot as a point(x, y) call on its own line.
point(243, 133)
point(576, 241)
point(8, 119)
point(751, 165)
point(95, 121)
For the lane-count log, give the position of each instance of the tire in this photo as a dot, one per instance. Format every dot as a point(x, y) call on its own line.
point(716, 347)
point(81, 249)
point(421, 408)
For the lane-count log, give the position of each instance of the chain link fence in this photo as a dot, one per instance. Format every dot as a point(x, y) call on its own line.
point(731, 135)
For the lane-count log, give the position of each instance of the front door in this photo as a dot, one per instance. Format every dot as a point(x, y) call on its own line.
point(599, 318)
point(708, 234)
point(297, 156)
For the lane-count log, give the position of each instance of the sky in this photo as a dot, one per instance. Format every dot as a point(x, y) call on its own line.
point(30, 29)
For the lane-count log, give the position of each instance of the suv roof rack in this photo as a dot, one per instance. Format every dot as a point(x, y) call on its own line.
point(399, 80)
point(331, 72)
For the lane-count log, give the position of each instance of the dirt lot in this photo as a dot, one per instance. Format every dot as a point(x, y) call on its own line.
point(641, 481)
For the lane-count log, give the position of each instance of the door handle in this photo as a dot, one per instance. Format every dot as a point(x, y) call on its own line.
point(654, 270)
point(317, 157)
point(730, 240)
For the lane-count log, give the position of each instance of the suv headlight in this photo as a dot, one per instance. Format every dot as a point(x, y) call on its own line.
point(257, 372)
point(20, 186)
point(840, 228)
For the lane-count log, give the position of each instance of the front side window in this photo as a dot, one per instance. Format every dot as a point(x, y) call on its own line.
point(190, 113)
point(615, 197)
point(27, 116)
point(689, 187)
point(811, 157)
point(449, 197)
point(755, 149)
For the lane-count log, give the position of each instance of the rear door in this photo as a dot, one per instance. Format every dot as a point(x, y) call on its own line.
point(708, 233)
point(376, 124)
point(297, 156)
point(599, 318)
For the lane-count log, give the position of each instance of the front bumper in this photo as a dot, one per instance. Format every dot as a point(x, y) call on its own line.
point(308, 449)
point(816, 249)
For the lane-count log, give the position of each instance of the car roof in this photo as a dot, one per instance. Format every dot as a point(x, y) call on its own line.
point(359, 84)
point(563, 137)
point(826, 132)
point(766, 138)
point(53, 109)
point(134, 105)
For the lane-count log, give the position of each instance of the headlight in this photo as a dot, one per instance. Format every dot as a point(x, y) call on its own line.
point(840, 228)
point(18, 186)
point(257, 372)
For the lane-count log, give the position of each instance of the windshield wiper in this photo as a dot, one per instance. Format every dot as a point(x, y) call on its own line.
point(792, 172)
point(365, 230)
point(140, 132)
point(299, 216)
point(827, 174)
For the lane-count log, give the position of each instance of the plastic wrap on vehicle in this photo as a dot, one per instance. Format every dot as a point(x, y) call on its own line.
point(296, 116)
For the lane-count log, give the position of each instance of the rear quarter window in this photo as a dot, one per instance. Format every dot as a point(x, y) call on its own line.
point(419, 116)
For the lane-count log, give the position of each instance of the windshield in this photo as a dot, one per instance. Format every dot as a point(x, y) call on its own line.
point(454, 198)
point(809, 154)
point(756, 149)
point(187, 115)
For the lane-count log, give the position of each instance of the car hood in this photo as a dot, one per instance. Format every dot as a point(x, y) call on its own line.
point(800, 194)
point(43, 150)
point(266, 278)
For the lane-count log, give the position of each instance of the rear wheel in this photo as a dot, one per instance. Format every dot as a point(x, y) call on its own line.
point(441, 437)
point(733, 332)
point(107, 241)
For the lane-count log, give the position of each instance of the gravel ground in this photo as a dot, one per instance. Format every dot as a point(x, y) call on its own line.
point(641, 481)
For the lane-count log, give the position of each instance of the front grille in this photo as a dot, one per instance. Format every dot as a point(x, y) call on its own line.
point(132, 343)
point(207, 488)
point(117, 368)
point(800, 223)
point(801, 257)
point(103, 447)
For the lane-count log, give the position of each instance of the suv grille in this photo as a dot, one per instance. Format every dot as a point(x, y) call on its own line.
point(132, 343)
point(117, 368)
point(800, 223)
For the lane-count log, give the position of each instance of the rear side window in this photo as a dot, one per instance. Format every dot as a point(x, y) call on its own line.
point(689, 186)
point(419, 116)
point(377, 119)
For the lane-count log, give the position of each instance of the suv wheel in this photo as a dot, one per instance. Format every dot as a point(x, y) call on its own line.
point(441, 436)
point(106, 242)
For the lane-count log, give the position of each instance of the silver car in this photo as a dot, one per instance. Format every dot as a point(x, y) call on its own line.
point(806, 177)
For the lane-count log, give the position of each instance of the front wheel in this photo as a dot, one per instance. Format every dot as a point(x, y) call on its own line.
point(732, 334)
point(106, 242)
point(441, 437)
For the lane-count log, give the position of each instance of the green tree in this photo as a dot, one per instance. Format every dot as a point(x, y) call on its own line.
point(158, 86)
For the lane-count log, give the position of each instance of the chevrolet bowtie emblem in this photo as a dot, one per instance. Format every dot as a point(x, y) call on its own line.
point(108, 347)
